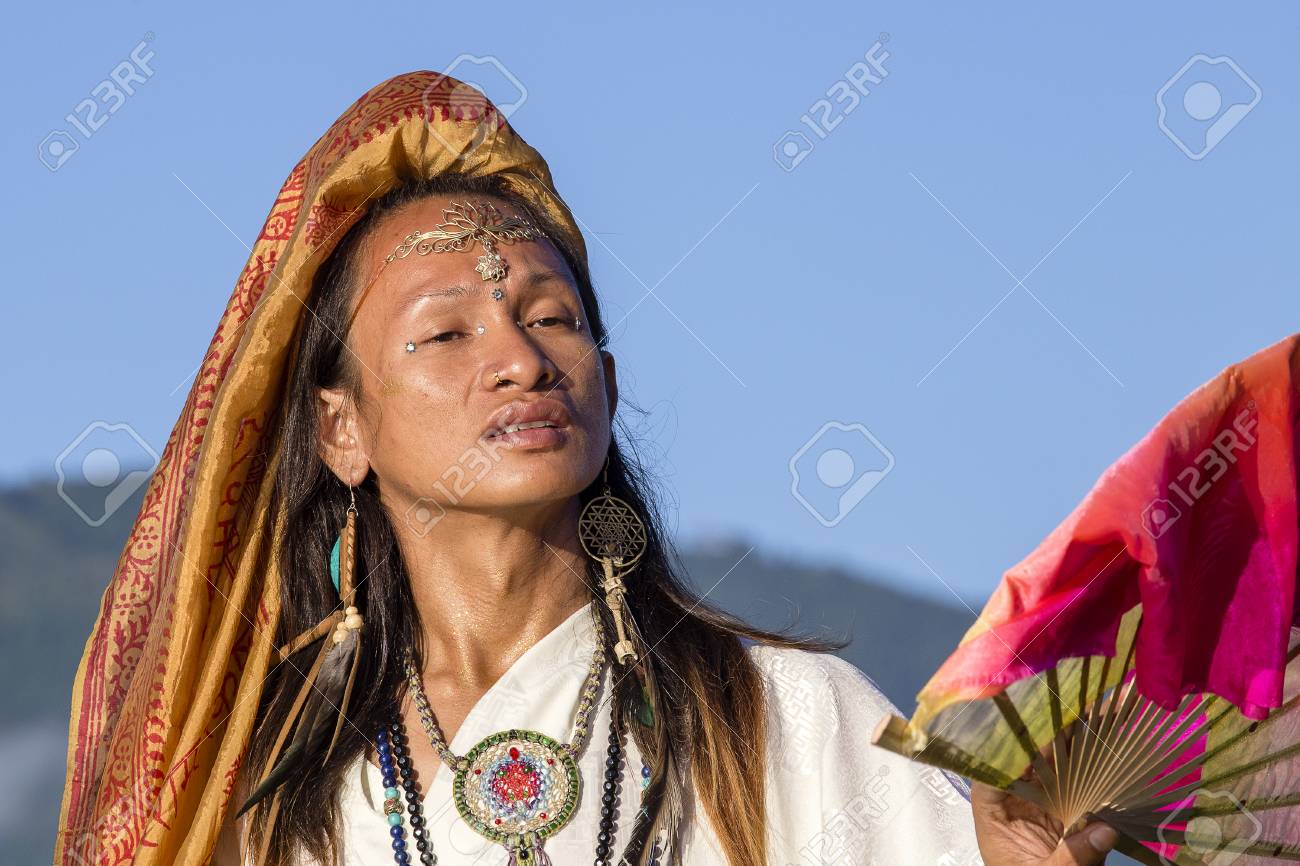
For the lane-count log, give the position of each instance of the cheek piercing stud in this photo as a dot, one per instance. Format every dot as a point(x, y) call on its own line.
point(480, 329)
point(410, 346)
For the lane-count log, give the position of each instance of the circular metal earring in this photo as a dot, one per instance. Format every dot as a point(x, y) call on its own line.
point(612, 533)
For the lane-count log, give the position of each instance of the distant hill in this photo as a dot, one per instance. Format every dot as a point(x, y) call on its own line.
point(896, 638)
point(55, 569)
point(52, 575)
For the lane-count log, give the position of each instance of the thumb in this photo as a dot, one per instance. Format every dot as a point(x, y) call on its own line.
point(1088, 847)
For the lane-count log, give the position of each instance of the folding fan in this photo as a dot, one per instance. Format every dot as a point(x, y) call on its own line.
point(1142, 665)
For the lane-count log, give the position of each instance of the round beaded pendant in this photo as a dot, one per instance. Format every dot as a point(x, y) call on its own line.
point(517, 785)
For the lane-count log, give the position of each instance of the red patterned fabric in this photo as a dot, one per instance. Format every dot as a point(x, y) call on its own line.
point(167, 690)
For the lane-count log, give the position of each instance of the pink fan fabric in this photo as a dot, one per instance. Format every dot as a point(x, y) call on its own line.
point(1198, 524)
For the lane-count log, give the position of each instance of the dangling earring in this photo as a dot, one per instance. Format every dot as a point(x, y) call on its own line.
point(322, 700)
point(612, 534)
point(343, 570)
point(349, 535)
point(345, 552)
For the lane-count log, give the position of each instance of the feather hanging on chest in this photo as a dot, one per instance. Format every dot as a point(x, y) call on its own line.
point(319, 711)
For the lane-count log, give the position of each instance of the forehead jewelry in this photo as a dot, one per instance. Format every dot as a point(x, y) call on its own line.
point(463, 224)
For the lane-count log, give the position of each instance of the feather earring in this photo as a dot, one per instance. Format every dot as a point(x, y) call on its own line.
point(655, 828)
point(320, 707)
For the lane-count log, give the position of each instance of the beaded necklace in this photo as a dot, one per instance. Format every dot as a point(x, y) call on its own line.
point(395, 762)
point(514, 787)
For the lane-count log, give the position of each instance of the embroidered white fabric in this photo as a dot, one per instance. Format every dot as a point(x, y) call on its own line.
point(833, 799)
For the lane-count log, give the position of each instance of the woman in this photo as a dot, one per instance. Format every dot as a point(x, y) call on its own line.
point(393, 536)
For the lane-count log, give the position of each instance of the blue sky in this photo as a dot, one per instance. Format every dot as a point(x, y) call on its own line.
point(989, 278)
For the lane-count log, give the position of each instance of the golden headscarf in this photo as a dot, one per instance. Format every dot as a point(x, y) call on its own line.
point(169, 682)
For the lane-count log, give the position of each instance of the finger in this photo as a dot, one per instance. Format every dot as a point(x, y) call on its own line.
point(982, 795)
point(1088, 847)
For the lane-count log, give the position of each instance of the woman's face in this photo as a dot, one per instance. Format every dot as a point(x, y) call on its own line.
point(433, 423)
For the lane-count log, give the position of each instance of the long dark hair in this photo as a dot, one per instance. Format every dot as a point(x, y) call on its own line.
point(706, 692)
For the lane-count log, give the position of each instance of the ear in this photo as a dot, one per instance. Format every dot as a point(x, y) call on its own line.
point(342, 443)
point(611, 382)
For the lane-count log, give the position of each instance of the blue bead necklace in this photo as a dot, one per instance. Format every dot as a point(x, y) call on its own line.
point(394, 758)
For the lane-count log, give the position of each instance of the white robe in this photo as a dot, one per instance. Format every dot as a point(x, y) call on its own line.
point(833, 799)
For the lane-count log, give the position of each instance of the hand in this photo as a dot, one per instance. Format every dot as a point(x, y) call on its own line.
point(1014, 832)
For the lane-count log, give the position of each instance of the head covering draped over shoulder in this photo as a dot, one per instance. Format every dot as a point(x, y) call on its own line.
point(169, 683)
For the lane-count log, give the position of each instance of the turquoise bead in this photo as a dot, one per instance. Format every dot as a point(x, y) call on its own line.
point(334, 562)
point(391, 793)
point(394, 818)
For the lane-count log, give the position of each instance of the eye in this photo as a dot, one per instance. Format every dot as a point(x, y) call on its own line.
point(552, 322)
point(445, 336)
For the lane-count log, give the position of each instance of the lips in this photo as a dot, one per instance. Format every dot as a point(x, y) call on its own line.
point(517, 415)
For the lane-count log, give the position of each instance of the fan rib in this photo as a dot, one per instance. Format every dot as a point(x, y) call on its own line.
point(1186, 790)
point(1098, 735)
point(1132, 740)
point(1087, 730)
point(1012, 717)
point(1146, 769)
point(895, 734)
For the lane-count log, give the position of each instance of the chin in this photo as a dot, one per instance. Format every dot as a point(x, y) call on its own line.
point(524, 478)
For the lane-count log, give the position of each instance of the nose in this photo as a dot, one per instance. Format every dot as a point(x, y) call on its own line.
point(516, 358)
